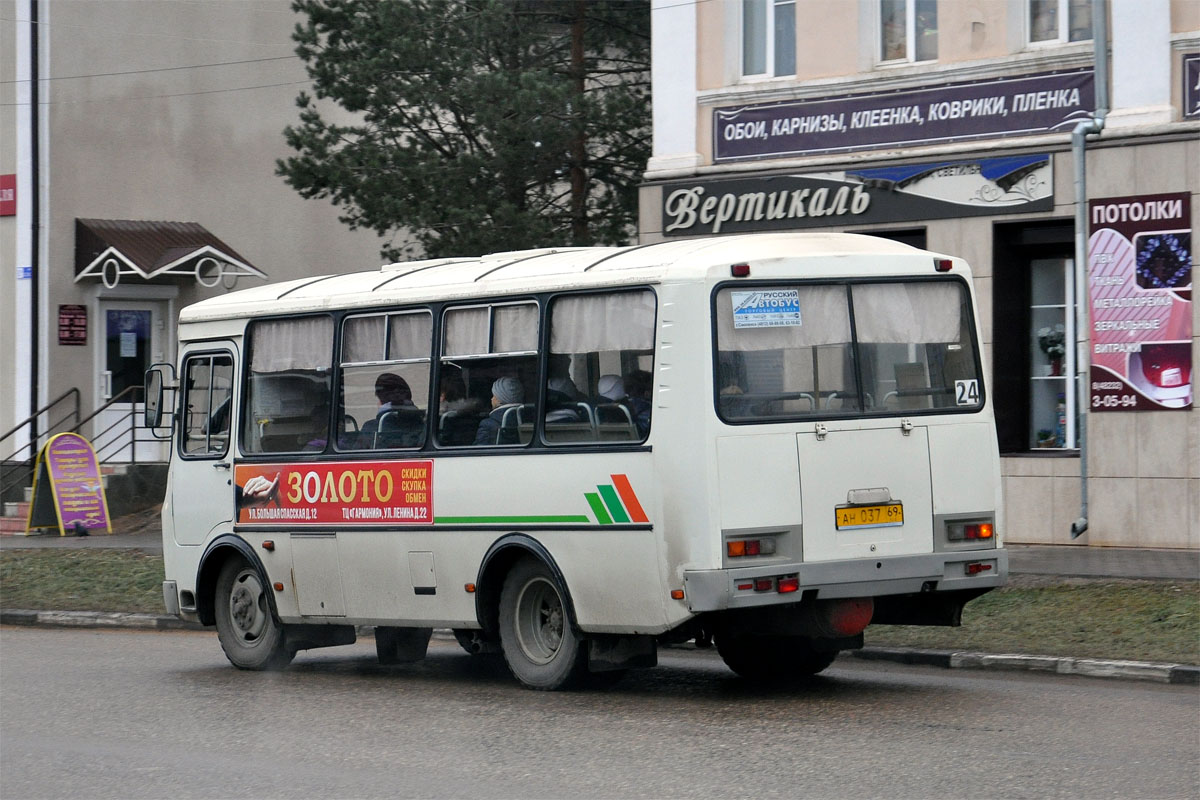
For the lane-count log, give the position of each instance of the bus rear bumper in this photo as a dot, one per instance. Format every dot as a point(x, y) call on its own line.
point(751, 587)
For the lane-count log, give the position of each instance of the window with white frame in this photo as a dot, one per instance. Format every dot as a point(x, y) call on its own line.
point(908, 30)
point(1060, 21)
point(768, 37)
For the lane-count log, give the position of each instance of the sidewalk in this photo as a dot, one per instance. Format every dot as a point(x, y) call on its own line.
point(1063, 561)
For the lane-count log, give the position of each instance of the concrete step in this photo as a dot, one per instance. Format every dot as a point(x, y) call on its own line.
point(10, 526)
point(20, 510)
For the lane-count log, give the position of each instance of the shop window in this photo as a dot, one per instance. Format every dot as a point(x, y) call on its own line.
point(908, 30)
point(913, 238)
point(768, 38)
point(1033, 269)
point(1053, 21)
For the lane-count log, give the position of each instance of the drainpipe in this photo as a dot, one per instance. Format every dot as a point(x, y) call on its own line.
point(1082, 337)
point(35, 210)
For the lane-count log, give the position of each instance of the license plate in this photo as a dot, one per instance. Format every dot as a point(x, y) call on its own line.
point(887, 515)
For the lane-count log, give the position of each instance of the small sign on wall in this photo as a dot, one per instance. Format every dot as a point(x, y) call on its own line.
point(72, 325)
point(1191, 85)
point(8, 195)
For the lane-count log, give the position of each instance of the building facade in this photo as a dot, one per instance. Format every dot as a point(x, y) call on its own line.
point(948, 124)
point(137, 175)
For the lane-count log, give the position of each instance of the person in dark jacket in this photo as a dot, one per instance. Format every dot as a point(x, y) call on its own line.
point(506, 393)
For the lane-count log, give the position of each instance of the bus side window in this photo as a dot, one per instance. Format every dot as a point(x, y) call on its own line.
point(288, 382)
point(601, 367)
point(488, 375)
point(385, 366)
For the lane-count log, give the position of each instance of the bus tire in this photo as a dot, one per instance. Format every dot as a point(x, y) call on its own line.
point(246, 628)
point(540, 647)
point(772, 658)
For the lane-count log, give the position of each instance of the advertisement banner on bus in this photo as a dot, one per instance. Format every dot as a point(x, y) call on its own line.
point(335, 493)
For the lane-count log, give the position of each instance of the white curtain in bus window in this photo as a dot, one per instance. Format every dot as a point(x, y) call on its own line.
point(603, 322)
point(601, 368)
point(363, 339)
point(466, 332)
point(409, 336)
point(901, 313)
point(291, 344)
point(913, 344)
point(514, 329)
point(783, 351)
point(287, 396)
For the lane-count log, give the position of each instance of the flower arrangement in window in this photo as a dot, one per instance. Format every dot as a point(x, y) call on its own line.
point(1052, 340)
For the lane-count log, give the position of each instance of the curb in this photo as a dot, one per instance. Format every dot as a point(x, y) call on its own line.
point(1062, 665)
point(947, 659)
point(96, 619)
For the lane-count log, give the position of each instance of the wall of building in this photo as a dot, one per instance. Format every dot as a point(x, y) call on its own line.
point(1144, 467)
point(135, 126)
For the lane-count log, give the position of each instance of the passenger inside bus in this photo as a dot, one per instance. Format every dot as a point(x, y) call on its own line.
point(639, 386)
point(507, 396)
point(561, 401)
point(319, 417)
point(398, 422)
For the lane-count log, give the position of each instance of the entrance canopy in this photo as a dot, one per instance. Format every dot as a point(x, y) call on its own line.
point(155, 252)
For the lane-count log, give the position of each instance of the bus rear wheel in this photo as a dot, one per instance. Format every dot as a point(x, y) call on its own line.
point(773, 658)
point(540, 647)
point(248, 632)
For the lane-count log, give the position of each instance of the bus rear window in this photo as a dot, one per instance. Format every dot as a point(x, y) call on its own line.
point(844, 349)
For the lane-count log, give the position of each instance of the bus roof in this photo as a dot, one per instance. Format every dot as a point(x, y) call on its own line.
point(546, 269)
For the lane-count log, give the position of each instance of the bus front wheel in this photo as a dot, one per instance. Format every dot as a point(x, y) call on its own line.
point(540, 647)
point(772, 658)
point(246, 629)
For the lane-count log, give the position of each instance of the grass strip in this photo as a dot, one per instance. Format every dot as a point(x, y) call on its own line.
point(1121, 619)
point(1126, 619)
point(95, 579)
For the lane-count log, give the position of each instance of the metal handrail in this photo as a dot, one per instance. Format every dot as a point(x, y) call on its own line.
point(130, 390)
point(102, 447)
point(24, 465)
point(29, 420)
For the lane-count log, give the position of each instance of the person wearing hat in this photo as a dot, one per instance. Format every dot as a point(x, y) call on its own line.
point(393, 393)
point(506, 393)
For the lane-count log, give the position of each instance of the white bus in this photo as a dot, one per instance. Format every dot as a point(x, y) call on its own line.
point(574, 456)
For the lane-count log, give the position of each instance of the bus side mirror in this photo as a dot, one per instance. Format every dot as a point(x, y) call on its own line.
point(157, 382)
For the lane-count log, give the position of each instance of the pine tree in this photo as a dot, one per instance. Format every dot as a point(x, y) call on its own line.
point(477, 125)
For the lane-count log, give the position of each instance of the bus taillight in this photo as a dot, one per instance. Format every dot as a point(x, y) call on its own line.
point(737, 548)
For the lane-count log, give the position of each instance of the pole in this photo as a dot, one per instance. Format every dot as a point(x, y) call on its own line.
point(1081, 299)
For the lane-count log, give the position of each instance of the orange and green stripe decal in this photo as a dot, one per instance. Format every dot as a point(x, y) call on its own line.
point(616, 503)
point(612, 504)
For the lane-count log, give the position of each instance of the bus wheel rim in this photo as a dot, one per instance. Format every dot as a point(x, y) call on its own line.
point(540, 621)
point(247, 608)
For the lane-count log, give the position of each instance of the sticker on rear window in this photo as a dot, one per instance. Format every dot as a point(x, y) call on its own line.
point(766, 309)
point(966, 393)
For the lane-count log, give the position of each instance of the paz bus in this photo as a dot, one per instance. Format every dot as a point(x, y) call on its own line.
point(574, 456)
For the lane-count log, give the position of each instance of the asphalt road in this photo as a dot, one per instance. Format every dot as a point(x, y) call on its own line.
point(123, 714)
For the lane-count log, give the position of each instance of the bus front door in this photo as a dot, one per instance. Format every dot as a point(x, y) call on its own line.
point(202, 494)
